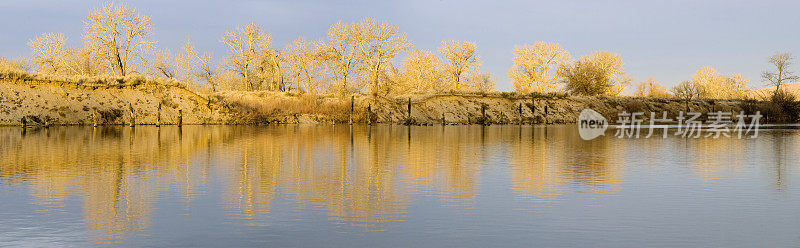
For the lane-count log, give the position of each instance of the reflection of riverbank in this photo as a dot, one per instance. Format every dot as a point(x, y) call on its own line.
point(358, 176)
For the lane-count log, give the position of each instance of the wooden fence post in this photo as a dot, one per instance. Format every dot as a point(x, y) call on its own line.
point(133, 115)
point(352, 107)
point(158, 118)
point(369, 114)
point(409, 111)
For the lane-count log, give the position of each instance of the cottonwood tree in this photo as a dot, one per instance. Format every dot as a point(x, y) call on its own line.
point(179, 66)
point(118, 36)
point(340, 52)
point(598, 73)
point(11, 65)
point(535, 66)
point(421, 72)
point(304, 64)
point(50, 53)
point(483, 82)
point(650, 88)
point(460, 59)
point(717, 86)
point(246, 46)
point(163, 65)
point(687, 90)
point(738, 86)
point(377, 43)
point(782, 73)
point(270, 68)
point(203, 68)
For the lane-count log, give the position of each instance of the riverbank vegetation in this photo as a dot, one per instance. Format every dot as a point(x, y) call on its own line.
point(364, 57)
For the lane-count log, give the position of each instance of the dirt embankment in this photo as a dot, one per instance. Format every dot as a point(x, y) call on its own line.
point(63, 102)
point(39, 102)
point(511, 109)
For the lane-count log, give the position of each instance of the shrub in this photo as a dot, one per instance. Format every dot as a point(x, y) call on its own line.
point(786, 103)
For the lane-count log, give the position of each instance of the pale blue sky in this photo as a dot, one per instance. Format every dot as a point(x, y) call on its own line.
point(669, 40)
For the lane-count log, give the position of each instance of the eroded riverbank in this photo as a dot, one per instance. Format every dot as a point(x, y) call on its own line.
point(38, 100)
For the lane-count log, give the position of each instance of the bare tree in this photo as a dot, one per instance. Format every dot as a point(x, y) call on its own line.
point(304, 63)
point(650, 88)
point(179, 66)
point(119, 36)
point(340, 51)
point(421, 72)
point(483, 82)
point(163, 65)
point(717, 86)
point(687, 90)
point(11, 65)
point(461, 59)
point(245, 45)
point(50, 53)
point(377, 44)
point(535, 66)
point(203, 67)
point(782, 74)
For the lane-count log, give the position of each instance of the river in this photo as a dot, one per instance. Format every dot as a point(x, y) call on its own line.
point(389, 186)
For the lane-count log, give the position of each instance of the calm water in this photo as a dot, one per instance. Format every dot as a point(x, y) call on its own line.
point(452, 186)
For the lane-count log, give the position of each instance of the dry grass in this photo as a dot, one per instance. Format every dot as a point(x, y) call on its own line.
point(765, 94)
point(91, 81)
point(282, 103)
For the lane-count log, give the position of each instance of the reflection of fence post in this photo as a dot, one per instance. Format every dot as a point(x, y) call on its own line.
point(158, 118)
point(483, 114)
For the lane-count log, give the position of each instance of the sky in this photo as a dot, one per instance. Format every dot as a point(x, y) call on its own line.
point(668, 40)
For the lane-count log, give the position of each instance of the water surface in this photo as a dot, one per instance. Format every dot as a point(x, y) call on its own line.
point(319, 185)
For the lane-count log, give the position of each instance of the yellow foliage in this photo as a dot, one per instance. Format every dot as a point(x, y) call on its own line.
point(717, 86)
point(377, 44)
point(119, 37)
point(650, 88)
point(461, 59)
point(339, 53)
point(535, 67)
point(596, 74)
point(421, 73)
point(304, 64)
point(251, 56)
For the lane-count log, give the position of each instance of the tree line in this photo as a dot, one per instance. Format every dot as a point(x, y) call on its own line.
point(356, 57)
